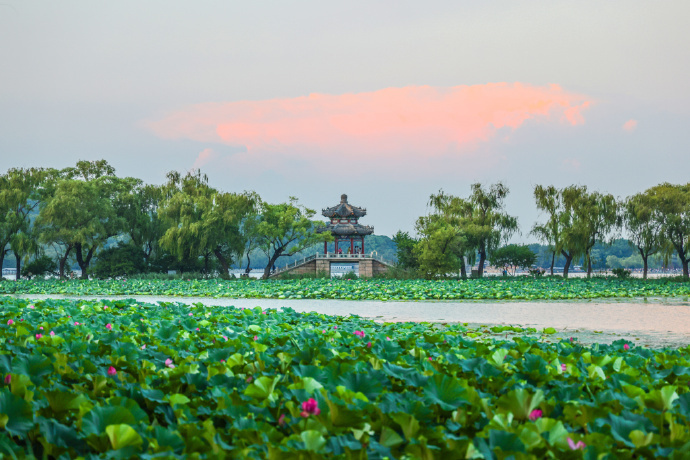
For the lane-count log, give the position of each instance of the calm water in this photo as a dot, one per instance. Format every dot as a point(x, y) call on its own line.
point(654, 315)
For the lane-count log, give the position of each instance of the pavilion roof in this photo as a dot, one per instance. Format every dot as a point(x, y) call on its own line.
point(347, 229)
point(344, 209)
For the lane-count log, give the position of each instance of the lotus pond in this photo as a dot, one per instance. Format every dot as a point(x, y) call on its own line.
point(127, 379)
point(520, 288)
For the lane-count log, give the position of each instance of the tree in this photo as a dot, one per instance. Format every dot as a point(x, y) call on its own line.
point(81, 213)
point(442, 243)
point(21, 194)
point(548, 199)
point(513, 256)
point(644, 226)
point(488, 225)
point(673, 207)
point(139, 209)
point(285, 229)
point(597, 216)
point(405, 245)
point(203, 221)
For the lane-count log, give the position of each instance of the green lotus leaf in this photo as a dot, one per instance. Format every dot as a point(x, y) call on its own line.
point(98, 418)
point(313, 440)
point(123, 435)
point(445, 391)
point(16, 416)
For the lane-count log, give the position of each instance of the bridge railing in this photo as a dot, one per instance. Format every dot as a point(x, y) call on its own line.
point(331, 256)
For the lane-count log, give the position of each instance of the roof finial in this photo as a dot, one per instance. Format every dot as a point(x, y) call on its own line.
point(343, 198)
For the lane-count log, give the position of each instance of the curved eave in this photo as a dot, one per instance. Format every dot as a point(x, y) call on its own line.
point(347, 230)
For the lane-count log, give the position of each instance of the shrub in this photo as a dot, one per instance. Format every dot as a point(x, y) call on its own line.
point(621, 273)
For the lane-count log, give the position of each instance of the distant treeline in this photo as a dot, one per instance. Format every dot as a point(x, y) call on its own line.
point(579, 226)
point(87, 217)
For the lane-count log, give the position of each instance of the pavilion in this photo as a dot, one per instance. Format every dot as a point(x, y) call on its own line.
point(344, 226)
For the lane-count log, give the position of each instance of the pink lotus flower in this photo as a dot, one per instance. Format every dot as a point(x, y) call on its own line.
point(335, 327)
point(535, 414)
point(368, 344)
point(323, 331)
point(197, 329)
point(310, 407)
point(41, 327)
point(388, 338)
point(10, 322)
point(21, 319)
point(256, 337)
point(8, 379)
point(112, 370)
point(249, 379)
point(31, 306)
point(430, 358)
point(226, 339)
point(76, 323)
point(626, 347)
point(52, 333)
point(359, 334)
point(143, 347)
point(105, 308)
point(169, 363)
point(38, 336)
point(281, 420)
point(109, 326)
point(579, 446)
point(563, 367)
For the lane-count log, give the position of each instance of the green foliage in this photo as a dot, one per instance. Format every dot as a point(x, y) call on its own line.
point(285, 229)
point(621, 273)
point(40, 266)
point(176, 381)
point(405, 245)
point(120, 260)
point(513, 256)
point(203, 221)
point(526, 288)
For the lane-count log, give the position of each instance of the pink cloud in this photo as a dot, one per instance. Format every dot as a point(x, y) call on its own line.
point(630, 125)
point(392, 123)
point(204, 157)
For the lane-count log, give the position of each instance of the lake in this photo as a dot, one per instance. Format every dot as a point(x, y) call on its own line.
point(653, 322)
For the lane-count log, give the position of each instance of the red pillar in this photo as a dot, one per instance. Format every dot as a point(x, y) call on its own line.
point(362, 245)
point(352, 245)
point(325, 247)
point(336, 245)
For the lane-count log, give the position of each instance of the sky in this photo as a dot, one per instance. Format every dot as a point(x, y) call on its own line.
point(386, 101)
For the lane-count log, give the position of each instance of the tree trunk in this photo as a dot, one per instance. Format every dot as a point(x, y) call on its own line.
point(680, 249)
point(271, 263)
point(225, 266)
point(553, 260)
point(589, 264)
point(18, 258)
point(248, 269)
point(63, 261)
point(463, 269)
point(83, 262)
point(2, 261)
point(645, 256)
point(568, 259)
point(482, 259)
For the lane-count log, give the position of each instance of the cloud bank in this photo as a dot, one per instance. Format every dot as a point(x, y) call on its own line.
point(414, 122)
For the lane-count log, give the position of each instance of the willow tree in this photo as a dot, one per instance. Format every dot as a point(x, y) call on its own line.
point(597, 218)
point(202, 220)
point(672, 203)
point(442, 244)
point(548, 200)
point(644, 226)
point(487, 224)
point(21, 194)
